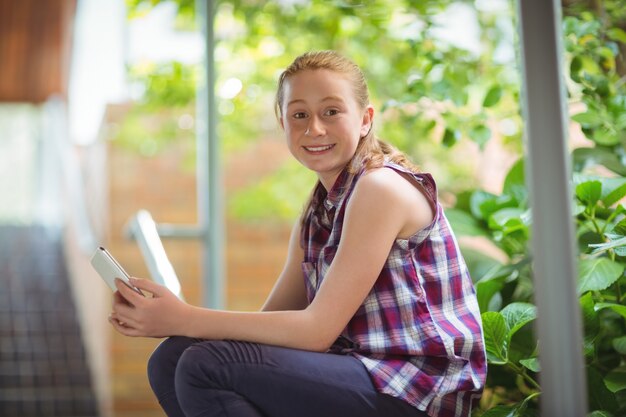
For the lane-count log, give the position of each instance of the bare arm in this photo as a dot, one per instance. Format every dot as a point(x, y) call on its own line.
point(289, 292)
point(378, 212)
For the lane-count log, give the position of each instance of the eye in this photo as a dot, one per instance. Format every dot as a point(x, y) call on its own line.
point(299, 115)
point(331, 112)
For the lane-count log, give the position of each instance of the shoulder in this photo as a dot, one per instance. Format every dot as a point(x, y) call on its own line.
point(381, 189)
point(384, 183)
point(379, 177)
point(386, 190)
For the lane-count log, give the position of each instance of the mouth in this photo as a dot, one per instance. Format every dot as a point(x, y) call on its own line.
point(320, 148)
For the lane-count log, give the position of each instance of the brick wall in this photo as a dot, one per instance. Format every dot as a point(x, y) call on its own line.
point(254, 253)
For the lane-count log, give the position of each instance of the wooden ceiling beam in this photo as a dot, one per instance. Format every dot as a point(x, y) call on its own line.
point(35, 49)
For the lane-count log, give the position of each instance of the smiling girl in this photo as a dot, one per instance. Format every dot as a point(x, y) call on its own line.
point(374, 313)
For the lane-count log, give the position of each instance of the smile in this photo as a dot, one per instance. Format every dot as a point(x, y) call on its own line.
point(318, 148)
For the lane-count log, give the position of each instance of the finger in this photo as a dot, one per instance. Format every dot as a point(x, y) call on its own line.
point(125, 311)
point(115, 319)
point(123, 328)
point(150, 286)
point(128, 293)
point(123, 320)
point(119, 299)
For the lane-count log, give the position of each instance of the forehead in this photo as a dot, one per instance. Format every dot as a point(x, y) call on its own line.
point(315, 85)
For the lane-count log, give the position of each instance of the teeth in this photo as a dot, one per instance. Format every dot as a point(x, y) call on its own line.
point(317, 148)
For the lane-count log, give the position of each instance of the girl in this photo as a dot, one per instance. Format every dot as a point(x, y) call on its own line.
point(374, 313)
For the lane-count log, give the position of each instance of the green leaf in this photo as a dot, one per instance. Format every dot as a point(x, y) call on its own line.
point(450, 137)
point(464, 224)
point(590, 317)
point(613, 190)
point(491, 282)
point(495, 332)
point(616, 379)
point(481, 266)
point(600, 398)
point(619, 344)
point(602, 247)
point(616, 34)
point(507, 218)
point(480, 134)
point(485, 291)
point(584, 157)
point(620, 228)
point(597, 274)
point(532, 364)
point(589, 118)
point(493, 96)
point(477, 200)
point(618, 308)
point(591, 66)
point(605, 137)
point(589, 192)
point(501, 411)
point(515, 176)
point(599, 413)
point(516, 315)
point(484, 204)
point(620, 251)
point(575, 66)
point(519, 409)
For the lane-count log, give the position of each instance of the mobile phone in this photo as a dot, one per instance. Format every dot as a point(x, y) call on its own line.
point(109, 269)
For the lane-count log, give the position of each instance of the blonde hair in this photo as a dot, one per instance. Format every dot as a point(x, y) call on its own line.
point(371, 152)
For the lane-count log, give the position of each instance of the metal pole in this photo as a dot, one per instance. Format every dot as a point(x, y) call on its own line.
point(548, 172)
point(210, 193)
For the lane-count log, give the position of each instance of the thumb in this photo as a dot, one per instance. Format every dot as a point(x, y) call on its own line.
point(150, 286)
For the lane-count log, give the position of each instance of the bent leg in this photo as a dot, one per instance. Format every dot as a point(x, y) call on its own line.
point(237, 379)
point(161, 370)
point(204, 379)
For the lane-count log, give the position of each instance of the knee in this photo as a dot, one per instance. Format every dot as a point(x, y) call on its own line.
point(208, 364)
point(196, 365)
point(163, 361)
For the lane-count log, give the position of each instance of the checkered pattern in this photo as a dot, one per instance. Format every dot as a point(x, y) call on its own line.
point(418, 331)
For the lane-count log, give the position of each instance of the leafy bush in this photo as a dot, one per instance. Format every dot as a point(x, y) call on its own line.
point(505, 290)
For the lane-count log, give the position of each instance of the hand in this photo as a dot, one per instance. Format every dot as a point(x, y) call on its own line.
point(161, 315)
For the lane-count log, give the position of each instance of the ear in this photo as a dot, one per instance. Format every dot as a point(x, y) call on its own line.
point(368, 119)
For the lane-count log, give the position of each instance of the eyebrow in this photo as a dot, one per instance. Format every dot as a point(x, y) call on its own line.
point(329, 98)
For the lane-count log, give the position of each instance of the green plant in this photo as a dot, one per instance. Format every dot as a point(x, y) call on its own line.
point(505, 289)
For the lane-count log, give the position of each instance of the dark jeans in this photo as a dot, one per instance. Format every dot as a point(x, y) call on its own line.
point(195, 378)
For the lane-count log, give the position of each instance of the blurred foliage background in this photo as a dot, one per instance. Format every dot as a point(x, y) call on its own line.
point(430, 88)
point(444, 78)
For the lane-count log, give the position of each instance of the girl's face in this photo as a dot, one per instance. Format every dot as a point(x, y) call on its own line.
point(323, 122)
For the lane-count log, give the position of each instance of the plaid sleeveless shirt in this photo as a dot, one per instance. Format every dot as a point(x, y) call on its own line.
point(418, 331)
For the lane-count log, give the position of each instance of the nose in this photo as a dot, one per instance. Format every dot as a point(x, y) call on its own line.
point(315, 127)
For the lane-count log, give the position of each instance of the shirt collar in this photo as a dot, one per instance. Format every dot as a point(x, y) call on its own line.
point(336, 193)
